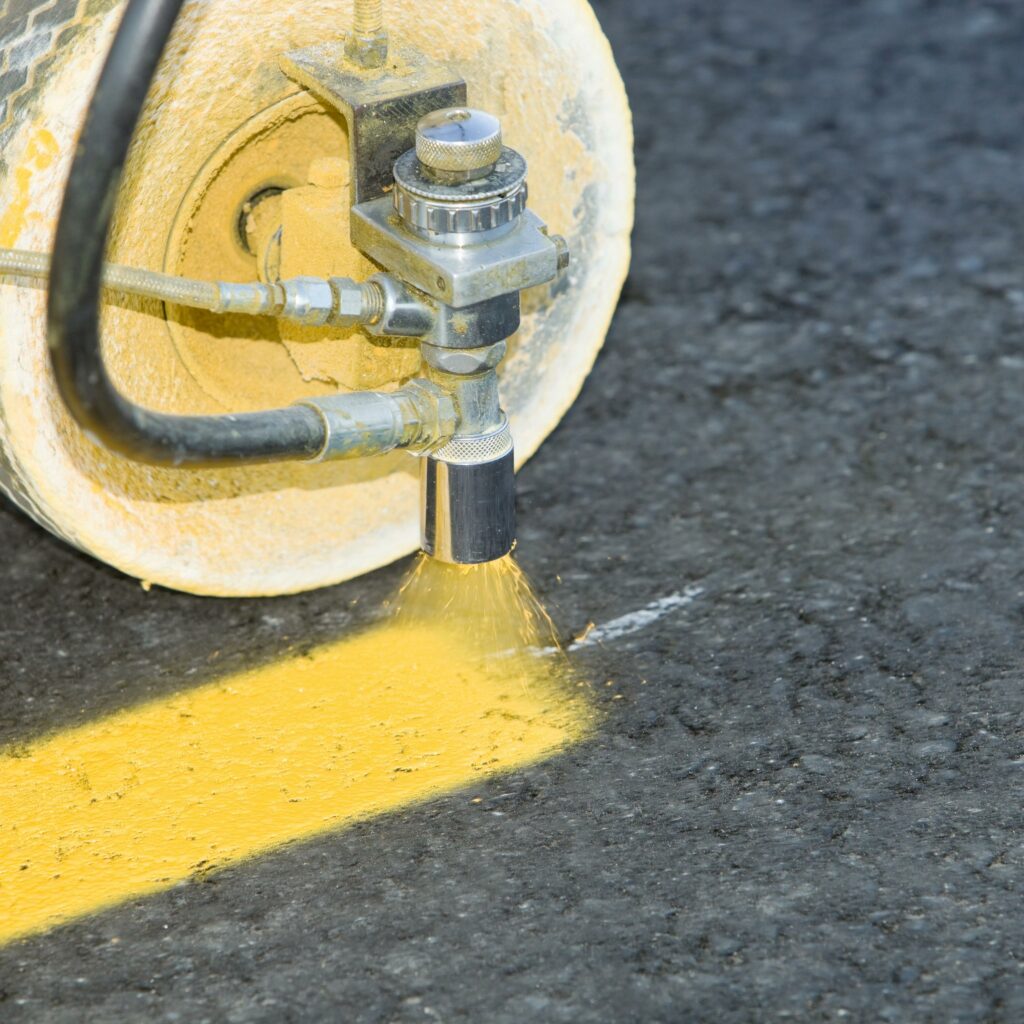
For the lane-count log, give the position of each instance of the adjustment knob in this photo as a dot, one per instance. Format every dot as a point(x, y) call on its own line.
point(458, 144)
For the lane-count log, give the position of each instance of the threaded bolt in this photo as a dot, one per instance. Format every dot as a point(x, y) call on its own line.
point(369, 17)
point(373, 302)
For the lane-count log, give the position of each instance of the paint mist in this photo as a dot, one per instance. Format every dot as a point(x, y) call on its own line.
point(491, 608)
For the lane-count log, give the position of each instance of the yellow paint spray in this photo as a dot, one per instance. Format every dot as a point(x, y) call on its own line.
point(151, 796)
point(491, 606)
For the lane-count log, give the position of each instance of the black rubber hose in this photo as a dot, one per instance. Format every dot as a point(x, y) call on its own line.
point(75, 279)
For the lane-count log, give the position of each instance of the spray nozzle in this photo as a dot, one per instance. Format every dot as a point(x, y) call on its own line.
point(468, 501)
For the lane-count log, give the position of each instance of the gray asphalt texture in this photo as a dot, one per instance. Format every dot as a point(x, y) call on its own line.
point(810, 405)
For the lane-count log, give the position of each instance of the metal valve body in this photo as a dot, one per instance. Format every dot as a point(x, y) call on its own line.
point(452, 229)
point(459, 189)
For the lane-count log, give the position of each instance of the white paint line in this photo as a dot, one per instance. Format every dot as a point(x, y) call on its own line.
point(624, 625)
point(633, 622)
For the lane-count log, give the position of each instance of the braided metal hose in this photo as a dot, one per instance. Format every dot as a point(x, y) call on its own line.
point(216, 296)
point(338, 301)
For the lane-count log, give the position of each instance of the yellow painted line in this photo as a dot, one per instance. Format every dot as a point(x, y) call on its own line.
point(145, 798)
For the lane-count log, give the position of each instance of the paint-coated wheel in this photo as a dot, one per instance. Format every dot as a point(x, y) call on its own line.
point(224, 128)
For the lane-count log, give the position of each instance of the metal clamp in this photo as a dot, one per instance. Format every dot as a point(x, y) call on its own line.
point(382, 112)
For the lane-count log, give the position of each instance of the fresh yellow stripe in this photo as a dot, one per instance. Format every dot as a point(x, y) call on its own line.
point(145, 798)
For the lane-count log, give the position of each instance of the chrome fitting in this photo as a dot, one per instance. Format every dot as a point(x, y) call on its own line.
point(476, 397)
point(476, 325)
point(463, 361)
point(355, 303)
point(312, 301)
point(403, 313)
point(458, 245)
point(254, 299)
point(419, 417)
point(307, 300)
point(468, 501)
point(434, 410)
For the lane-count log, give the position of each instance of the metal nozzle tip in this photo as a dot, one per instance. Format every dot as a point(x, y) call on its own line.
point(468, 501)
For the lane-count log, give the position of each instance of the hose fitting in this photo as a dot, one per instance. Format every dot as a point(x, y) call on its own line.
point(416, 418)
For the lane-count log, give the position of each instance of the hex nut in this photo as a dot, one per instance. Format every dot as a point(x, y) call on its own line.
point(307, 300)
point(349, 302)
point(463, 361)
point(367, 50)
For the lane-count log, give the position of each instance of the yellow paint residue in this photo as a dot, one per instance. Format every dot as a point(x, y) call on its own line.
point(39, 154)
point(148, 797)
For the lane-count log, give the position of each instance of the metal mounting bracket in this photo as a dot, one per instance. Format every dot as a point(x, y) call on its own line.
point(382, 108)
point(459, 277)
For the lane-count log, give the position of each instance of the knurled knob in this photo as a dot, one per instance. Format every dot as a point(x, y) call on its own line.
point(459, 141)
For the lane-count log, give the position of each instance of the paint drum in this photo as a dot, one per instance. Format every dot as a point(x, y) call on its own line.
point(226, 145)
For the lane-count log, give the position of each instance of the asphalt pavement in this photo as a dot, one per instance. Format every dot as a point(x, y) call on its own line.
point(805, 803)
